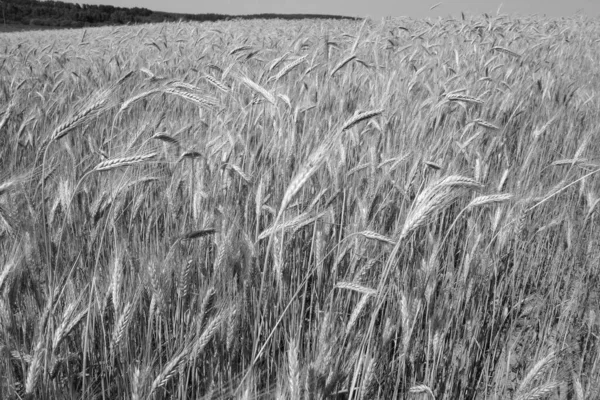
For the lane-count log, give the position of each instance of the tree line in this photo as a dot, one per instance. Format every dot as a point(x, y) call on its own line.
point(61, 14)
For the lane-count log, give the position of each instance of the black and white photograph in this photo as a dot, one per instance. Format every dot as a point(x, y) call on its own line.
point(312, 200)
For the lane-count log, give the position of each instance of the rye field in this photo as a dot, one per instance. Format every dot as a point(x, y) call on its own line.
point(374, 209)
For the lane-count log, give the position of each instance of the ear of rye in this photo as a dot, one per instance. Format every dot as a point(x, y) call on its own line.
point(308, 169)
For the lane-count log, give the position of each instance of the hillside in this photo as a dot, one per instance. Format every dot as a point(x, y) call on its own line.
point(19, 14)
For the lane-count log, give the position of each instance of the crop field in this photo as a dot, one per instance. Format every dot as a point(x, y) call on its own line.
point(374, 209)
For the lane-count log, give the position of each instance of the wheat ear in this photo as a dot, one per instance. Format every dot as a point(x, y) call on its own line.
point(285, 70)
point(360, 117)
point(259, 89)
point(294, 369)
point(122, 162)
point(205, 101)
point(95, 107)
point(342, 64)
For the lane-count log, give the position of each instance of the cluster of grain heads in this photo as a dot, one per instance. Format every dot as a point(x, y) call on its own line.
point(434, 198)
point(170, 370)
point(188, 353)
point(479, 201)
point(527, 390)
point(317, 157)
point(383, 275)
point(69, 321)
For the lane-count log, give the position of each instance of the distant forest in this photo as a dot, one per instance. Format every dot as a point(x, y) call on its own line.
point(69, 15)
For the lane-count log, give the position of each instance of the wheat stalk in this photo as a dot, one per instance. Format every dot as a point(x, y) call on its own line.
point(342, 64)
point(217, 83)
point(196, 234)
point(184, 279)
point(166, 138)
point(205, 308)
point(208, 333)
point(8, 268)
point(360, 117)
point(535, 372)
point(239, 171)
point(434, 198)
point(240, 48)
point(184, 85)
point(207, 102)
point(285, 70)
point(294, 223)
point(67, 327)
point(539, 392)
point(421, 389)
point(35, 367)
point(116, 279)
point(232, 328)
point(376, 236)
point(367, 291)
point(97, 104)
point(294, 369)
point(7, 114)
point(490, 199)
point(259, 89)
point(486, 124)
point(121, 327)
point(356, 313)
point(129, 102)
point(135, 384)
point(123, 162)
point(464, 98)
point(570, 161)
point(506, 51)
point(169, 371)
point(273, 64)
point(311, 166)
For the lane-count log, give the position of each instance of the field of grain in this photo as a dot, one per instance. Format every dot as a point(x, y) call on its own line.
point(304, 210)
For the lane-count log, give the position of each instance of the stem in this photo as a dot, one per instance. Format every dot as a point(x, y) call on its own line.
point(560, 190)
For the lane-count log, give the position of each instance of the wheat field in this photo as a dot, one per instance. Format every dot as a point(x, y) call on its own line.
point(374, 209)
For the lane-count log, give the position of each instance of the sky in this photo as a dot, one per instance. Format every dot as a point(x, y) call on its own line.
point(363, 8)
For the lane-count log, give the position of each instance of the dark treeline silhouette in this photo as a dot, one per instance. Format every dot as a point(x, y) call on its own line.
point(61, 14)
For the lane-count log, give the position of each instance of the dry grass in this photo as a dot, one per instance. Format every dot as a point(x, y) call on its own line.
point(386, 209)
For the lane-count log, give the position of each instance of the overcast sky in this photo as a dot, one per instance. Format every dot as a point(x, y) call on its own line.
point(360, 8)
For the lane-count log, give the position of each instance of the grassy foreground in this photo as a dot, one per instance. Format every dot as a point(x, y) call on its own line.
point(387, 209)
